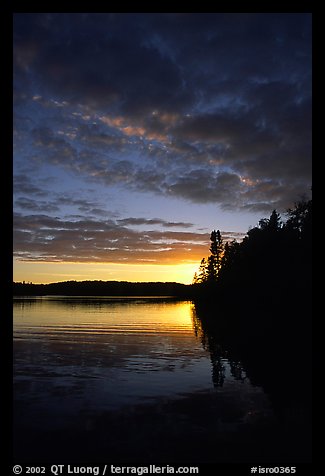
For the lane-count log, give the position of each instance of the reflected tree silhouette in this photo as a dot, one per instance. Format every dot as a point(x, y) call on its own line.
point(258, 311)
point(280, 364)
point(237, 370)
point(218, 354)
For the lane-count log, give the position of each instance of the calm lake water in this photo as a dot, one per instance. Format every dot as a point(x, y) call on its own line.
point(110, 373)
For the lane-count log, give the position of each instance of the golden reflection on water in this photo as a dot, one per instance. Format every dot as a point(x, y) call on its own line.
point(77, 358)
point(109, 350)
point(101, 316)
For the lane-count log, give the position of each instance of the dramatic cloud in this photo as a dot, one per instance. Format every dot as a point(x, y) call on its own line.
point(210, 109)
point(153, 221)
point(44, 238)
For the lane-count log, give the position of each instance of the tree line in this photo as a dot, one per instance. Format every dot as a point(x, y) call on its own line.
point(101, 288)
point(273, 256)
point(253, 307)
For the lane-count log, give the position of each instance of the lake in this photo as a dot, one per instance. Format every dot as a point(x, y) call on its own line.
point(130, 379)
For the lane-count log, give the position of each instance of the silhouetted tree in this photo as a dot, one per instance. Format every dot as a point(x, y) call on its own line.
point(260, 314)
point(210, 267)
point(217, 250)
point(101, 288)
point(272, 224)
point(231, 249)
point(272, 259)
point(300, 219)
point(202, 276)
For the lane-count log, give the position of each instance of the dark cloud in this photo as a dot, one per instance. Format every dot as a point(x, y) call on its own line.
point(203, 187)
point(46, 238)
point(22, 183)
point(209, 108)
point(45, 199)
point(144, 62)
point(153, 221)
point(83, 205)
point(90, 59)
point(35, 205)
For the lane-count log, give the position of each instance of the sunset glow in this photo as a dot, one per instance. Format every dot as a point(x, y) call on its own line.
point(162, 242)
point(129, 149)
point(54, 272)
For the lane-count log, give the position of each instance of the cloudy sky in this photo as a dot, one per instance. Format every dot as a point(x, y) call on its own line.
point(136, 134)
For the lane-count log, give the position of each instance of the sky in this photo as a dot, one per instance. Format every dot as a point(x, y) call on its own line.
point(136, 134)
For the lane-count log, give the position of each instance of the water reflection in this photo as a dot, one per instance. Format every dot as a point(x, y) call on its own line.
point(100, 315)
point(220, 356)
point(114, 351)
point(279, 362)
point(143, 380)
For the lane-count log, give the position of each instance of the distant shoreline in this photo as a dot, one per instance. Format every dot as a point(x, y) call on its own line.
point(103, 288)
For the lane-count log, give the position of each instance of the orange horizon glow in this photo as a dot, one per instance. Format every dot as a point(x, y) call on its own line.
point(50, 272)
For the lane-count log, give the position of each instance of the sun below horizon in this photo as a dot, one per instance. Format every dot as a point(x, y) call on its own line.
point(129, 149)
point(49, 272)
